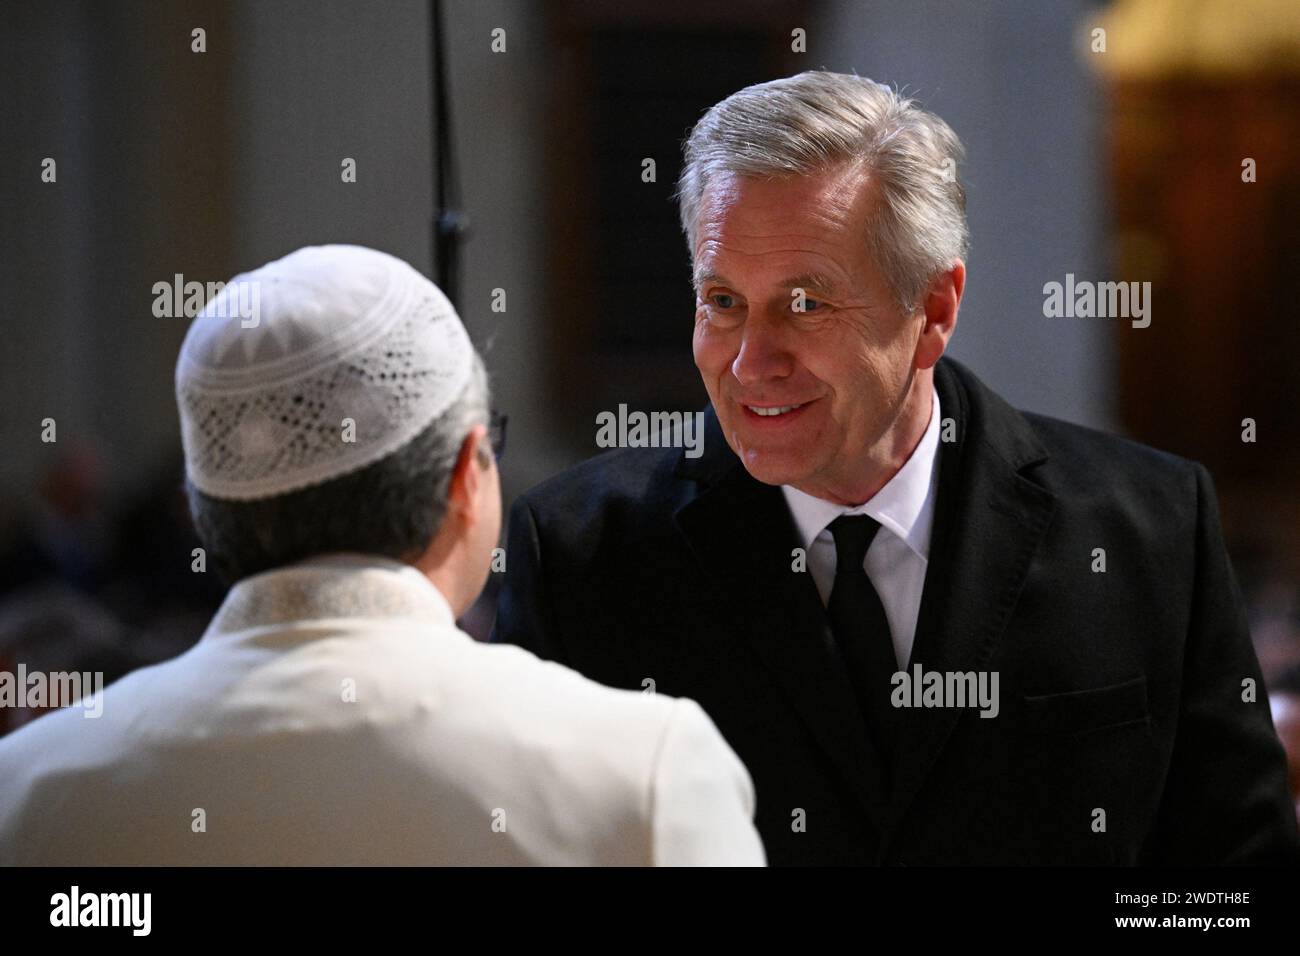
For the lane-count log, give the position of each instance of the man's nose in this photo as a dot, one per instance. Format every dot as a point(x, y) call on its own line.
point(763, 353)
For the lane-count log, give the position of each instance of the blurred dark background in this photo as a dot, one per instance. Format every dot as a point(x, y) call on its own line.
point(1123, 164)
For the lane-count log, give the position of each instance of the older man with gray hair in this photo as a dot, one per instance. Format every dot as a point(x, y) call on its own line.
point(341, 471)
point(936, 629)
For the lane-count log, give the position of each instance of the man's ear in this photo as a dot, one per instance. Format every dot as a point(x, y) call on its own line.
point(467, 474)
point(941, 302)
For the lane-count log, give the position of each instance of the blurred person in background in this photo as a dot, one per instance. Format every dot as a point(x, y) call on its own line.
point(1284, 697)
point(66, 536)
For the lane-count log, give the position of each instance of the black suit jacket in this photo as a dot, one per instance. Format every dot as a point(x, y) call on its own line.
point(1120, 691)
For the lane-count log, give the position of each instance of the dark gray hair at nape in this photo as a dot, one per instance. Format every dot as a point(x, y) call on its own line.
point(806, 123)
point(392, 507)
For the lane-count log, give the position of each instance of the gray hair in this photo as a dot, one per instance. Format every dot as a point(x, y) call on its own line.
point(812, 121)
point(392, 507)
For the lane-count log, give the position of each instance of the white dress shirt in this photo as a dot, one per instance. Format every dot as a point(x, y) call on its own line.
point(333, 713)
point(900, 552)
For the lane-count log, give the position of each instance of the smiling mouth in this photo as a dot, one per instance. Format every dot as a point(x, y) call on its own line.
point(774, 414)
point(772, 411)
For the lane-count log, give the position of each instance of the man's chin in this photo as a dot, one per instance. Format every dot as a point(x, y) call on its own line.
point(773, 467)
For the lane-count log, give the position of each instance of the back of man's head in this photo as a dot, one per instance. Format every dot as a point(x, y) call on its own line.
point(326, 400)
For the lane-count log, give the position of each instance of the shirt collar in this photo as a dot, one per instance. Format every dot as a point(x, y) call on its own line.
point(904, 506)
point(332, 586)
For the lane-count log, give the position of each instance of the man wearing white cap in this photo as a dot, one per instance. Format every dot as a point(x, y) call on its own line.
point(340, 474)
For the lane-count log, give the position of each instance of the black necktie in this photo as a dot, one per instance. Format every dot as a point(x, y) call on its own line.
point(861, 631)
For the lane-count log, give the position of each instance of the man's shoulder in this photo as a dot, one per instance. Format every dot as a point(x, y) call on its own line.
point(628, 758)
point(607, 736)
point(1079, 453)
point(542, 690)
point(1120, 483)
point(60, 751)
point(1074, 454)
point(47, 738)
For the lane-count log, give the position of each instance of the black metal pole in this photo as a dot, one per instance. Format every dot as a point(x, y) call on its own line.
point(448, 223)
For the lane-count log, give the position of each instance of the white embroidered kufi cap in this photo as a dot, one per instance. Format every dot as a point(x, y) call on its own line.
point(312, 367)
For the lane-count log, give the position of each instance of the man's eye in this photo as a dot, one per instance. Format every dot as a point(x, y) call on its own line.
point(807, 304)
point(722, 300)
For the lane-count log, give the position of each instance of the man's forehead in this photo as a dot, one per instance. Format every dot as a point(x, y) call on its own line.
point(807, 228)
point(833, 193)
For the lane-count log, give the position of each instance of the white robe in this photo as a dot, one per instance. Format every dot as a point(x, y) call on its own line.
point(334, 714)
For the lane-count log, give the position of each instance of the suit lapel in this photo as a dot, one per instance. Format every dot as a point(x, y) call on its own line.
point(742, 533)
point(989, 521)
